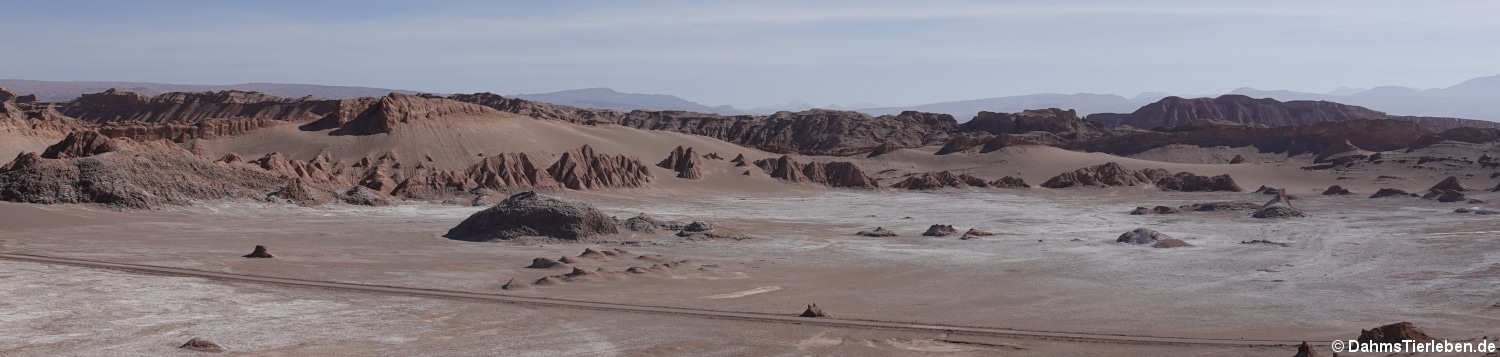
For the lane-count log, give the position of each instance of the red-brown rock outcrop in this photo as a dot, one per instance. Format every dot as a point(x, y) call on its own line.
point(684, 162)
point(584, 169)
point(80, 144)
point(1189, 182)
point(1107, 174)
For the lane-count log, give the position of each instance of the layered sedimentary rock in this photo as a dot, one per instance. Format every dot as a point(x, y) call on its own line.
point(509, 170)
point(116, 105)
point(366, 116)
point(985, 142)
point(1063, 123)
point(1322, 139)
point(80, 144)
point(146, 177)
point(684, 162)
point(938, 180)
point(584, 169)
point(1173, 112)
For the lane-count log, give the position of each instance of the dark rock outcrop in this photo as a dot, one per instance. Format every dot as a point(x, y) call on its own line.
point(1144, 236)
point(258, 252)
point(1321, 139)
point(684, 162)
point(80, 144)
point(148, 177)
point(1335, 190)
point(1063, 123)
point(1445, 196)
point(877, 232)
point(812, 310)
point(197, 344)
point(584, 169)
point(1394, 333)
point(1174, 112)
point(940, 230)
point(1189, 182)
point(532, 214)
point(939, 180)
point(1278, 207)
point(1448, 184)
point(1388, 192)
point(1009, 182)
point(1107, 174)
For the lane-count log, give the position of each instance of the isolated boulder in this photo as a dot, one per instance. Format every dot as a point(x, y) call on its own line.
point(940, 230)
point(532, 214)
point(1388, 192)
point(684, 162)
point(1335, 190)
point(1394, 333)
point(812, 310)
point(1448, 184)
point(1141, 236)
point(201, 345)
point(1278, 207)
point(877, 232)
point(80, 144)
point(258, 252)
point(1445, 196)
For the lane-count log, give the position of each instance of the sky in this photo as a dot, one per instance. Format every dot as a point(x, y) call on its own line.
point(761, 53)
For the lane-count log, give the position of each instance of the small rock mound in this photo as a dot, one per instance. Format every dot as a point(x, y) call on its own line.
point(813, 311)
point(877, 232)
point(1268, 190)
point(201, 345)
point(80, 144)
point(1304, 350)
point(1189, 182)
point(514, 284)
point(684, 162)
point(1105, 175)
point(543, 263)
point(1394, 333)
point(1448, 184)
point(739, 161)
point(364, 196)
point(1141, 236)
point(1445, 196)
point(940, 230)
point(713, 156)
point(258, 252)
point(883, 149)
point(975, 233)
point(1278, 207)
point(1237, 159)
point(938, 180)
point(1388, 192)
point(1009, 182)
point(1335, 190)
point(532, 214)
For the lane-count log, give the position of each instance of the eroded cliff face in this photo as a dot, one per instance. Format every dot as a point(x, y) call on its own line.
point(116, 105)
point(1322, 139)
point(368, 116)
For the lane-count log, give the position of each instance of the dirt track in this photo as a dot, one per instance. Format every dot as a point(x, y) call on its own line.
point(659, 310)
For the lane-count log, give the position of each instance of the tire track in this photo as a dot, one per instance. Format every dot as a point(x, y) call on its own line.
point(959, 330)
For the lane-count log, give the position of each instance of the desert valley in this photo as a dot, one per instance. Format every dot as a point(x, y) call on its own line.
point(479, 224)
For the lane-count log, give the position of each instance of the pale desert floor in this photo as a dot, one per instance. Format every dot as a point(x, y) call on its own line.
point(1354, 263)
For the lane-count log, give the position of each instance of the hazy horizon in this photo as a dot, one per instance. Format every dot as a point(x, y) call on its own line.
point(889, 54)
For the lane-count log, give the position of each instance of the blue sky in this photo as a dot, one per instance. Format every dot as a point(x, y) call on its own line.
point(761, 53)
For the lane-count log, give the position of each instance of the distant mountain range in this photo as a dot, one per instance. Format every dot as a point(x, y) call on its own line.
point(605, 98)
point(1473, 99)
point(1477, 98)
point(1084, 103)
point(58, 91)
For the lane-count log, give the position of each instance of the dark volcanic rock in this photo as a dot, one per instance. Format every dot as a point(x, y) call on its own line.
point(1445, 196)
point(1188, 182)
point(1394, 333)
point(584, 169)
point(684, 162)
point(1107, 174)
point(532, 214)
point(80, 144)
point(258, 252)
point(940, 230)
point(1388, 192)
point(1335, 190)
point(813, 311)
point(1009, 182)
point(877, 232)
point(201, 345)
point(1448, 184)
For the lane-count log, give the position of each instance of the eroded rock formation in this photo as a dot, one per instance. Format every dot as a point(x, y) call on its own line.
point(584, 169)
point(684, 162)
